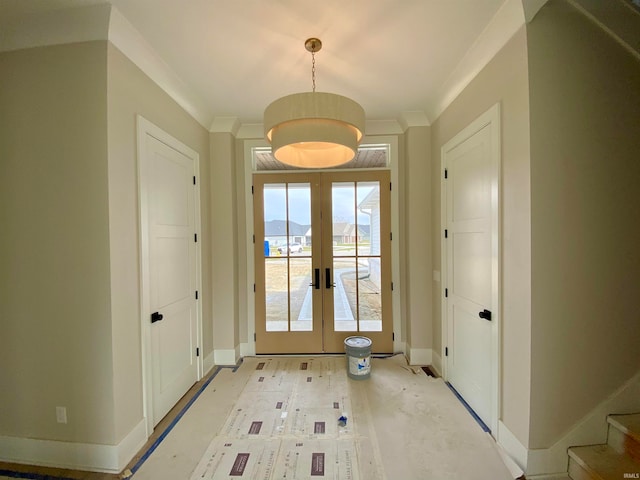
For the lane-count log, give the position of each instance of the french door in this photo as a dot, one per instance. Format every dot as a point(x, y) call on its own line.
point(322, 261)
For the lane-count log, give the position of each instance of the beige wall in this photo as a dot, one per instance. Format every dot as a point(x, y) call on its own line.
point(503, 80)
point(68, 190)
point(417, 237)
point(225, 241)
point(585, 168)
point(131, 92)
point(55, 309)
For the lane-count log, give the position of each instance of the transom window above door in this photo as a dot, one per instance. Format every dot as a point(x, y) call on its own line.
point(368, 156)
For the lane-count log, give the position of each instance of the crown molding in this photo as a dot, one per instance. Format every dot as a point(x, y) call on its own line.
point(124, 36)
point(100, 22)
point(251, 131)
point(413, 119)
point(225, 125)
point(383, 127)
point(506, 22)
point(55, 27)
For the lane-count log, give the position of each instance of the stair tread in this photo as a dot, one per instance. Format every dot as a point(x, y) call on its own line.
point(605, 461)
point(629, 424)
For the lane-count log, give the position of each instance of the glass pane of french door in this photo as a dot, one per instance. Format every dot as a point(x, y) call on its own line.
point(357, 246)
point(322, 261)
point(288, 297)
point(287, 220)
point(356, 256)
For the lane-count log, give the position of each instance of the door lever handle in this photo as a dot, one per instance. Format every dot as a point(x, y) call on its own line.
point(156, 317)
point(327, 276)
point(486, 314)
point(316, 280)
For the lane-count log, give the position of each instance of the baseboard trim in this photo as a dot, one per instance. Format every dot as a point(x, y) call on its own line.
point(247, 349)
point(419, 356)
point(512, 446)
point(75, 456)
point(399, 346)
point(207, 364)
point(436, 363)
point(131, 444)
point(227, 357)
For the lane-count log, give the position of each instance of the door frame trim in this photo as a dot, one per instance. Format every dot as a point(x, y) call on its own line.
point(143, 128)
point(391, 141)
point(490, 117)
point(320, 188)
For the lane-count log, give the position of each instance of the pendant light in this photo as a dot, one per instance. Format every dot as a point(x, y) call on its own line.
point(314, 129)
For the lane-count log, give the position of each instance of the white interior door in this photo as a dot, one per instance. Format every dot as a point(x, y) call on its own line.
point(172, 273)
point(471, 295)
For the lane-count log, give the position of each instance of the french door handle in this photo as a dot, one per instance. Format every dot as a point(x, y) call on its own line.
point(327, 276)
point(316, 282)
point(486, 314)
point(156, 317)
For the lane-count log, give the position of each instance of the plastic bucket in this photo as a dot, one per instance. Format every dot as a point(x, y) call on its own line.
point(358, 350)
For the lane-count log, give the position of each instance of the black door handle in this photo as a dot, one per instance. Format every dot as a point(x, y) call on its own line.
point(328, 284)
point(316, 282)
point(156, 317)
point(486, 314)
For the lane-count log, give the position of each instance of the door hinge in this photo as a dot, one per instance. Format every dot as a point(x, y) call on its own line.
point(393, 336)
point(196, 294)
point(390, 186)
point(254, 337)
point(254, 288)
point(195, 237)
point(446, 174)
point(194, 179)
point(197, 352)
point(446, 351)
point(446, 233)
point(254, 238)
point(391, 236)
point(446, 292)
point(392, 286)
point(251, 189)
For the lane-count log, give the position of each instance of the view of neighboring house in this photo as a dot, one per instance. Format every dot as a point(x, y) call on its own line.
point(277, 233)
point(344, 232)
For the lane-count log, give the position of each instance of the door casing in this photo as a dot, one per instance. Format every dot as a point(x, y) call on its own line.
point(389, 142)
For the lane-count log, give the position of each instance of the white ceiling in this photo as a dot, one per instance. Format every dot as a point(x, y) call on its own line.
point(236, 56)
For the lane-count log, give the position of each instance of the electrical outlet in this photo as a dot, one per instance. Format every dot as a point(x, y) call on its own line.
point(61, 414)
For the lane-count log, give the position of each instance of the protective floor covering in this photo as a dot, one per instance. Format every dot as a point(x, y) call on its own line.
point(278, 418)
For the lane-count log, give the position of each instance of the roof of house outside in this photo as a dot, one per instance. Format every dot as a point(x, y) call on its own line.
point(278, 228)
